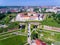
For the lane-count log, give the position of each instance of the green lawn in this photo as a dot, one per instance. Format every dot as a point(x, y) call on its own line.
point(16, 40)
point(12, 39)
point(48, 36)
point(50, 22)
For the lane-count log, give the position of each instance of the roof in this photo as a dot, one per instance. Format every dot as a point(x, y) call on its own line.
point(32, 12)
point(23, 15)
point(40, 42)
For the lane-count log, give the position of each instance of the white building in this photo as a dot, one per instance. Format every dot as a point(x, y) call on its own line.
point(29, 16)
point(30, 10)
point(53, 9)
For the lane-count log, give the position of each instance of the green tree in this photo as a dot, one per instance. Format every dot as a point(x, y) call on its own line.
point(36, 9)
point(2, 16)
point(1, 30)
point(56, 17)
point(43, 10)
point(13, 25)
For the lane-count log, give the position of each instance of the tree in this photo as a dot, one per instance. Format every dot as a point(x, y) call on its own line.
point(13, 25)
point(5, 29)
point(1, 30)
point(9, 12)
point(2, 16)
point(43, 10)
point(36, 9)
point(58, 18)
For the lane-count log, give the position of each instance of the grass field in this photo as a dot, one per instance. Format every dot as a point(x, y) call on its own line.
point(49, 36)
point(16, 40)
point(50, 22)
point(45, 35)
point(9, 38)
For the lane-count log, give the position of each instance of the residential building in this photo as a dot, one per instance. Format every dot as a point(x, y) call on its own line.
point(53, 9)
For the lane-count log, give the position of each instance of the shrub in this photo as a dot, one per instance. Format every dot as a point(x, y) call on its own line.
point(1, 30)
point(13, 25)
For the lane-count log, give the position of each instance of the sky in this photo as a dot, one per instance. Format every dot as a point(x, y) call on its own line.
point(29, 2)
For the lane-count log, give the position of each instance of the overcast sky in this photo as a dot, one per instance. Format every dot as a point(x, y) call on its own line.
point(29, 2)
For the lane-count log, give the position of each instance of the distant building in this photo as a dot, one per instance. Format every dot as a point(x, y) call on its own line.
point(58, 9)
point(30, 9)
point(53, 9)
point(14, 10)
point(3, 10)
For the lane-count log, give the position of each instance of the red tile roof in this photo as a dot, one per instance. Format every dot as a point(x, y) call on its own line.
point(40, 42)
point(22, 15)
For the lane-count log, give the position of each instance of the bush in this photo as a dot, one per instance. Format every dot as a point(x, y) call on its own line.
point(13, 25)
point(2, 16)
point(1, 30)
point(5, 29)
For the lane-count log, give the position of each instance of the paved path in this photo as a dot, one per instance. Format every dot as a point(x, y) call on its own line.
point(7, 37)
point(11, 34)
point(51, 28)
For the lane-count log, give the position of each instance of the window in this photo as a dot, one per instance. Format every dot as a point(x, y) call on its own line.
point(31, 14)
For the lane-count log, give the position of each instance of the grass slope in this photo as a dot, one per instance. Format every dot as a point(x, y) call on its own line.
point(17, 40)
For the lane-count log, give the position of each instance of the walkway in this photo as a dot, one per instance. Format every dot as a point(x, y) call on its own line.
point(51, 28)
